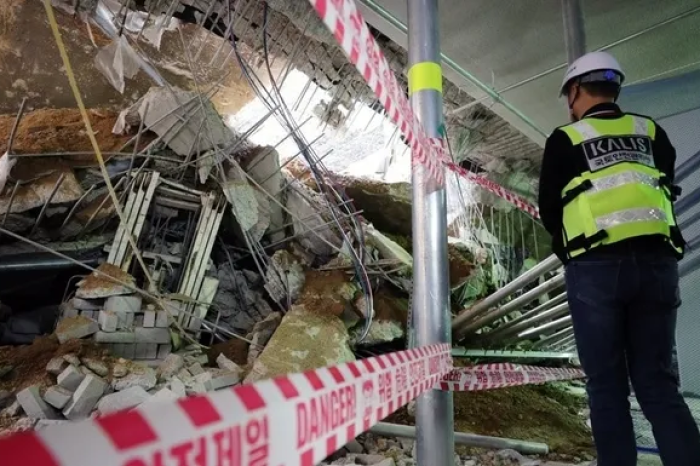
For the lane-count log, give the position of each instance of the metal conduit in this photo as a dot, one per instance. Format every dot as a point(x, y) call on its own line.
point(505, 328)
point(547, 265)
point(461, 438)
point(513, 305)
point(542, 329)
point(553, 313)
point(556, 336)
point(688, 201)
point(688, 167)
point(563, 341)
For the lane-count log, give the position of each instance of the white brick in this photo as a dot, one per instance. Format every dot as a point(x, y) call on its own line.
point(70, 378)
point(162, 319)
point(222, 379)
point(85, 398)
point(108, 321)
point(125, 399)
point(164, 351)
point(127, 303)
point(58, 397)
point(34, 406)
point(149, 319)
point(56, 365)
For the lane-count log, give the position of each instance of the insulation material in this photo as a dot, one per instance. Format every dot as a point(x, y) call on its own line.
point(117, 61)
point(6, 164)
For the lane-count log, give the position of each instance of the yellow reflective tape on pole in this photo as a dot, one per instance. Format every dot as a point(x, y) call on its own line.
point(423, 76)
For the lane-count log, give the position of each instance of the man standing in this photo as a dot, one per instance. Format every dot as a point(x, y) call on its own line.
point(606, 197)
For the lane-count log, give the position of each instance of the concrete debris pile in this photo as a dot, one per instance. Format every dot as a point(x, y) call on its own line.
point(373, 450)
point(78, 387)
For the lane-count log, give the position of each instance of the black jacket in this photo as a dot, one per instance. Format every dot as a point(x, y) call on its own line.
point(561, 162)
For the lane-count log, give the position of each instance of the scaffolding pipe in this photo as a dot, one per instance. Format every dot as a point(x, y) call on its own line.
point(514, 305)
point(564, 342)
point(688, 201)
point(574, 30)
point(471, 440)
point(431, 306)
point(505, 329)
point(547, 265)
point(687, 168)
point(553, 338)
point(542, 329)
point(556, 312)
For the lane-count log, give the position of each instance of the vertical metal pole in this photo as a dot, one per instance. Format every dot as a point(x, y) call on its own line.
point(574, 31)
point(431, 316)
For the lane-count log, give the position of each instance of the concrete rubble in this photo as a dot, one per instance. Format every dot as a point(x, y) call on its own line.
point(221, 266)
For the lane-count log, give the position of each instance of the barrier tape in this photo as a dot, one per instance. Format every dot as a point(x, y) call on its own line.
point(295, 420)
point(346, 23)
point(490, 376)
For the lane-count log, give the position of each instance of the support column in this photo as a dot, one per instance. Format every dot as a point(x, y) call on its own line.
point(430, 316)
point(574, 30)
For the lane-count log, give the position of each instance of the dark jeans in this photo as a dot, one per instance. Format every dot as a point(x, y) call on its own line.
point(623, 308)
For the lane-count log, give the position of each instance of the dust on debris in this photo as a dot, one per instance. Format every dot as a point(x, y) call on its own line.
point(62, 130)
point(322, 292)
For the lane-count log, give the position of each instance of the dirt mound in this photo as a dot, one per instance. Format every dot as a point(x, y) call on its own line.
point(29, 362)
point(236, 350)
point(62, 130)
point(537, 413)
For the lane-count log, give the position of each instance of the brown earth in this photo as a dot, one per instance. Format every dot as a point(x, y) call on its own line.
point(236, 350)
point(320, 292)
point(29, 361)
point(62, 130)
point(537, 413)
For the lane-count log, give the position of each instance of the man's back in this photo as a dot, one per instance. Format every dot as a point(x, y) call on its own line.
point(563, 161)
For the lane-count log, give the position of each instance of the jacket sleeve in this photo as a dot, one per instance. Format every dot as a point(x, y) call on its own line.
point(664, 153)
point(553, 179)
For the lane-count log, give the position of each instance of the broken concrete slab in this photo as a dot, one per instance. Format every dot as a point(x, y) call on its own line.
point(56, 365)
point(138, 335)
point(86, 304)
point(57, 396)
point(221, 378)
point(264, 167)
point(304, 340)
point(125, 399)
point(44, 423)
point(161, 113)
point(34, 405)
point(388, 248)
point(311, 229)
point(85, 398)
point(107, 280)
point(178, 387)
point(96, 366)
point(171, 365)
point(240, 303)
point(163, 395)
point(226, 364)
point(75, 328)
point(143, 377)
point(261, 334)
point(284, 278)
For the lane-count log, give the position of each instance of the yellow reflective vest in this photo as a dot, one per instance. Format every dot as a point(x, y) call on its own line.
point(621, 195)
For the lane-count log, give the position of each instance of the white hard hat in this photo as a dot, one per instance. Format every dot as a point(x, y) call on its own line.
point(609, 68)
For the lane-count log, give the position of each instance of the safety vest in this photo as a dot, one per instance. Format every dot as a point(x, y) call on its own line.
point(622, 195)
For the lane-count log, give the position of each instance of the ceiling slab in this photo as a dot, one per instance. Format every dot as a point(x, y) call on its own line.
point(517, 48)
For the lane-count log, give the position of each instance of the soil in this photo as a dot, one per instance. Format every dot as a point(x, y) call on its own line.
point(29, 361)
point(389, 307)
point(537, 413)
point(63, 130)
point(321, 292)
point(460, 266)
point(236, 350)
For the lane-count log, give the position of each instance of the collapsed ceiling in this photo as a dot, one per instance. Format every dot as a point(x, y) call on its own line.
point(479, 138)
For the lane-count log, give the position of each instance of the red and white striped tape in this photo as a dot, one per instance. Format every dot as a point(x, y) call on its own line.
point(350, 30)
point(295, 420)
point(490, 376)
